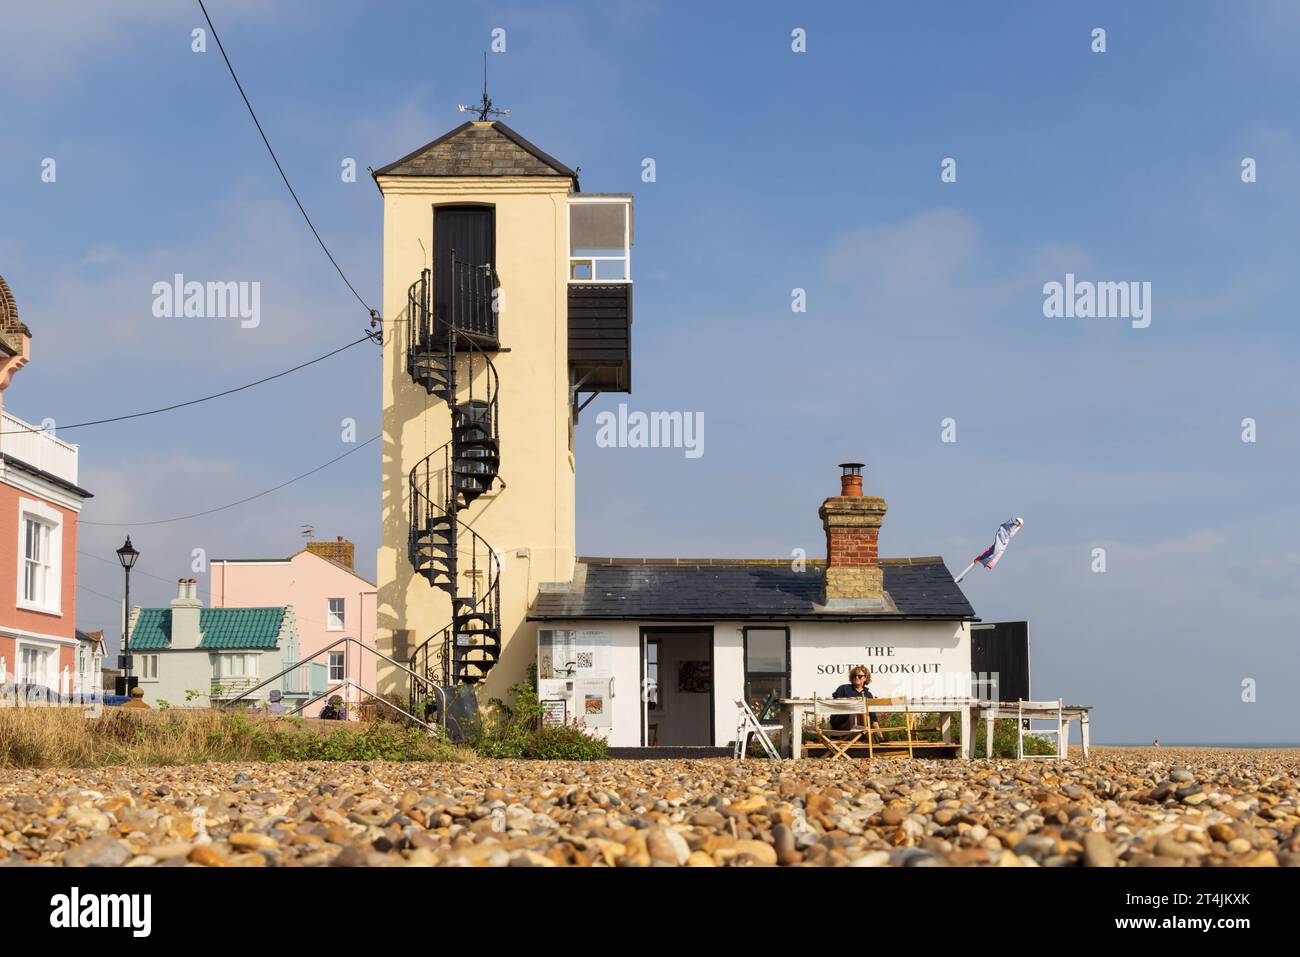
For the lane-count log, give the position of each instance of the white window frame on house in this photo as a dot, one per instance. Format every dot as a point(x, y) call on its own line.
point(148, 668)
point(342, 667)
point(84, 658)
point(579, 261)
point(50, 567)
point(222, 660)
point(49, 677)
point(335, 621)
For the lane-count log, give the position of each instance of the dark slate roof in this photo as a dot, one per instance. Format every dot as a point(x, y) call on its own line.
point(691, 588)
point(478, 149)
point(219, 628)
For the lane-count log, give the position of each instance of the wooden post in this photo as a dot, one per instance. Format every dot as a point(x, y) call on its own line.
point(795, 711)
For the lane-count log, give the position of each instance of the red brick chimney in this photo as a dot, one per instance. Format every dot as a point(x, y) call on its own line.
point(341, 551)
point(852, 524)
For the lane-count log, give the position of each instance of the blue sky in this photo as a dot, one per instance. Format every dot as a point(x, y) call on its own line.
point(775, 170)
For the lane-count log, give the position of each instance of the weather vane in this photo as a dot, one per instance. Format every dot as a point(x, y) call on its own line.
point(485, 109)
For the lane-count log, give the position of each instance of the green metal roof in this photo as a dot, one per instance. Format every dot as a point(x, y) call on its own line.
point(220, 628)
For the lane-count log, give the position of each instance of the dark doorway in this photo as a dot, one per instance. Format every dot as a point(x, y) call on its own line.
point(999, 657)
point(464, 243)
point(677, 675)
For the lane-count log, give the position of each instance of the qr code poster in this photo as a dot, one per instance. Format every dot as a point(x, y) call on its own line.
point(593, 651)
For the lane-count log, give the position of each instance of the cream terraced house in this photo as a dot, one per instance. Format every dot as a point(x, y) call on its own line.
point(508, 297)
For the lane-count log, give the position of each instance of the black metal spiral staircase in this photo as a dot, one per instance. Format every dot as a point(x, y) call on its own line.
point(448, 347)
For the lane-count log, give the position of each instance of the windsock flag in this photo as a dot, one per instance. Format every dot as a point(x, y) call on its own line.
point(994, 552)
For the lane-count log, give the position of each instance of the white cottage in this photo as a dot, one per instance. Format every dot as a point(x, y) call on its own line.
point(655, 652)
point(188, 654)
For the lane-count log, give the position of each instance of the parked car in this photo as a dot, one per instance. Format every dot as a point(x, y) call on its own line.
point(28, 694)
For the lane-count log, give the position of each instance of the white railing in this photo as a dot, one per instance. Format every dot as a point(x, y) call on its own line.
point(37, 448)
point(229, 687)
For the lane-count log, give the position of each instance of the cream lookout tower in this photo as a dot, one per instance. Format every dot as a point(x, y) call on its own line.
point(508, 295)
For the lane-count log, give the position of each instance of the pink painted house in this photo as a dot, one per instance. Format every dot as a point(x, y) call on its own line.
point(40, 501)
point(330, 600)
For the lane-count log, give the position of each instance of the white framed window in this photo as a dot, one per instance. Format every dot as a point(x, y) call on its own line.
point(40, 540)
point(335, 620)
point(147, 669)
point(600, 238)
point(37, 664)
point(236, 665)
point(336, 666)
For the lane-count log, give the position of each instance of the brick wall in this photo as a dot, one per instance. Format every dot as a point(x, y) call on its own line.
point(340, 550)
point(852, 525)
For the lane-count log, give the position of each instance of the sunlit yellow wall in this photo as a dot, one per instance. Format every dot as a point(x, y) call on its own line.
point(534, 511)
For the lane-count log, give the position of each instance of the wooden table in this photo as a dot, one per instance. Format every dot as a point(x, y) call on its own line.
point(990, 710)
point(794, 710)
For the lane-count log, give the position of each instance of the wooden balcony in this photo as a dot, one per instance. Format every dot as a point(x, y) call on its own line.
point(600, 336)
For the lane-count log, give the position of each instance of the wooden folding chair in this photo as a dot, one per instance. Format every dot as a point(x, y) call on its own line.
point(747, 723)
point(908, 727)
point(838, 741)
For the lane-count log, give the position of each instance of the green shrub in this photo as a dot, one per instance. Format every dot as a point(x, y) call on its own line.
point(1004, 740)
point(515, 730)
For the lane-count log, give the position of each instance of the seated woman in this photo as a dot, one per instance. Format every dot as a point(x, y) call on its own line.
point(859, 679)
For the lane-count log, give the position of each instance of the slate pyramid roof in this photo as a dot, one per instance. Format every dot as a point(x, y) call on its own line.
point(478, 148)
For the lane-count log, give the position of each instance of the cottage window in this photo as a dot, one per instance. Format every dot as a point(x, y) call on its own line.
point(148, 670)
point(236, 666)
point(335, 620)
point(600, 239)
point(652, 674)
point(35, 666)
point(767, 664)
point(336, 666)
point(39, 586)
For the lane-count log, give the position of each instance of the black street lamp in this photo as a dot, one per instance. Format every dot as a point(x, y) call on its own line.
point(127, 556)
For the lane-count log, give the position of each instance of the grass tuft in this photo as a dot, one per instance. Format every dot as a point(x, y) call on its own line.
point(73, 738)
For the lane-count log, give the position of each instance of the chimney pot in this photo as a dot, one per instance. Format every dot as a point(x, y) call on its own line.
point(851, 479)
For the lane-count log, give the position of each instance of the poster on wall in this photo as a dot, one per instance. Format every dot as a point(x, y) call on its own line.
point(594, 706)
point(554, 712)
point(557, 654)
point(592, 652)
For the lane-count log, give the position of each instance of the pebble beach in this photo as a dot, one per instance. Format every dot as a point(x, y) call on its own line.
point(1129, 807)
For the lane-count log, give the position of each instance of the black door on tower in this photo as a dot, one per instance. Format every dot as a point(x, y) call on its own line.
point(464, 242)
